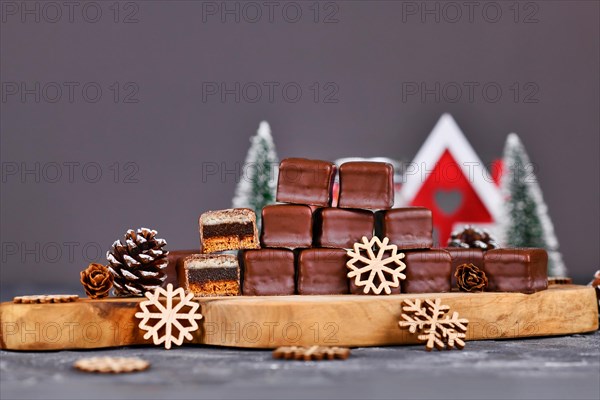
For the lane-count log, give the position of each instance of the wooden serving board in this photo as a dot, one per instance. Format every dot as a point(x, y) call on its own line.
point(269, 322)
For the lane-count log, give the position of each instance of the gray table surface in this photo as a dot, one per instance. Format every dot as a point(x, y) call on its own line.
point(538, 368)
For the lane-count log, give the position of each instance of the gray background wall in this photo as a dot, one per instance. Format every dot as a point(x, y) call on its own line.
point(52, 226)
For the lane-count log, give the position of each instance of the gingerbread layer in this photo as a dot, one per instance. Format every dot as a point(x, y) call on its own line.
point(215, 288)
point(222, 243)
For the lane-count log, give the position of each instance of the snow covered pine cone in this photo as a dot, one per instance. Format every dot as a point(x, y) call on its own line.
point(472, 237)
point(138, 264)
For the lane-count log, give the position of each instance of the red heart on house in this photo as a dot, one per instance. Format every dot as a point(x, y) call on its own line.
point(448, 200)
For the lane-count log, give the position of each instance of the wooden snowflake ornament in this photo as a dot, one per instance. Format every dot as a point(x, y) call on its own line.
point(314, 353)
point(111, 365)
point(433, 324)
point(169, 316)
point(383, 270)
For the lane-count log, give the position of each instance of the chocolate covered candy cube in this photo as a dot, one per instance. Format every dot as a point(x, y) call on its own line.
point(365, 184)
point(230, 229)
point(287, 225)
point(322, 271)
point(407, 228)
point(522, 270)
point(427, 271)
point(210, 275)
point(341, 228)
point(303, 181)
point(268, 272)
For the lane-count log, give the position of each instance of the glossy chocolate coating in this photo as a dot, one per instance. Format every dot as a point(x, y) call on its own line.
point(173, 258)
point(522, 270)
point(322, 271)
point(303, 181)
point(461, 255)
point(341, 228)
point(366, 184)
point(286, 225)
point(268, 272)
point(407, 228)
point(427, 271)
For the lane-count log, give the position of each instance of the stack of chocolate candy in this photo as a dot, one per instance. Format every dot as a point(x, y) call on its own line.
point(304, 240)
point(287, 263)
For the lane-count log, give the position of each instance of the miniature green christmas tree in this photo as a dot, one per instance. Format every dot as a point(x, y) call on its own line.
point(527, 222)
point(258, 183)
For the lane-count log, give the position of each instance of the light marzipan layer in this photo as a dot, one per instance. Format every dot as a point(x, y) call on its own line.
point(232, 215)
point(201, 261)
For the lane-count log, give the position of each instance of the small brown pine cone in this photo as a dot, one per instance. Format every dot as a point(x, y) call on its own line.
point(96, 280)
point(469, 278)
point(472, 237)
